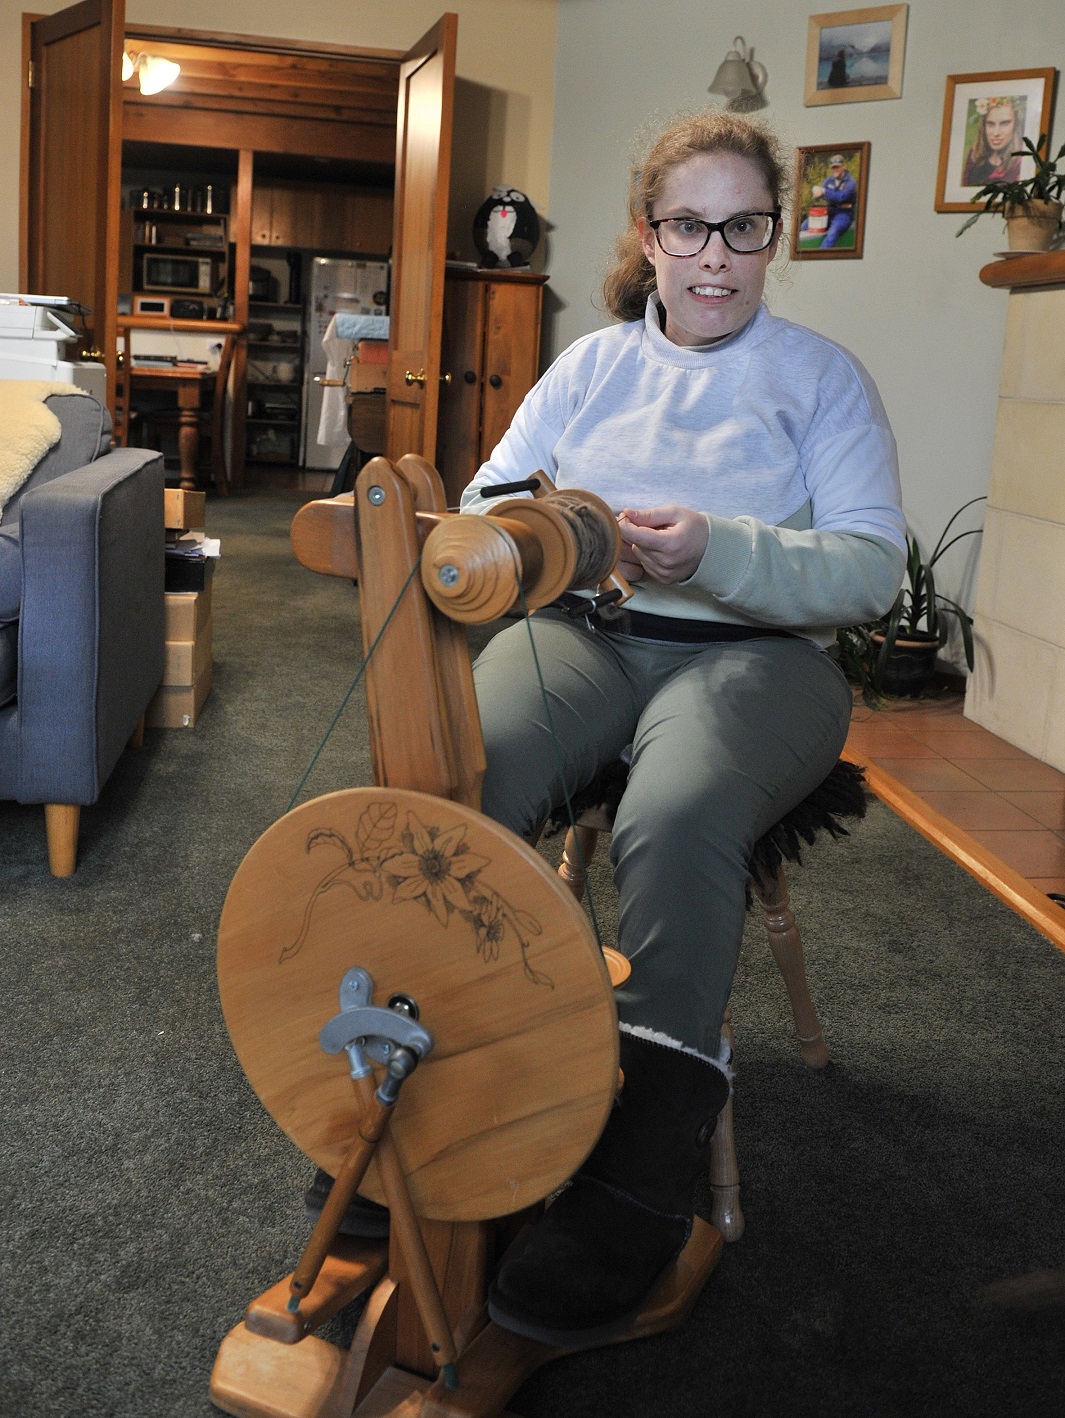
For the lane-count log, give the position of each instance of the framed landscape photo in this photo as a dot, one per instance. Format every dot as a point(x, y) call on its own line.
point(853, 56)
point(828, 205)
point(985, 116)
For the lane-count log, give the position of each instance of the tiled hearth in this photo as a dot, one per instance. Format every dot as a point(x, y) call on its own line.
point(1009, 803)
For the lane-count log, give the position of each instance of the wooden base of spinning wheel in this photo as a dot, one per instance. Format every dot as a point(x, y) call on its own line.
point(260, 1377)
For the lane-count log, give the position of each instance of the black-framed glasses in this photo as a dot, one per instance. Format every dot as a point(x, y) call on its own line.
point(687, 236)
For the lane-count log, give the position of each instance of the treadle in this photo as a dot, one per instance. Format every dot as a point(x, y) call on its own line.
point(255, 1377)
point(350, 1269)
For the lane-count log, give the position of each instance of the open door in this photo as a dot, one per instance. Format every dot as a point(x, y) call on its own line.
point(74, 166)
point(419, 247)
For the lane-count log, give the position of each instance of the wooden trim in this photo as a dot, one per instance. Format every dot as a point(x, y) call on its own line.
point(1043, 268)
point(179, 327)
point(1002, 881)
point(109, 230)
point(25, 100)
point(201, 127)
point(241, 278)
point(267, 44)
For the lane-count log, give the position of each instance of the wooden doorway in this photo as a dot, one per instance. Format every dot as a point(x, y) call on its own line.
point(253, 94)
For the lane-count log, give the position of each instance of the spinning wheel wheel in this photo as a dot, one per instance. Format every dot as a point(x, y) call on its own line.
point(443, 906)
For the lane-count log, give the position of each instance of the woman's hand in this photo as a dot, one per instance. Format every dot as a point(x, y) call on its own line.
point(665, 543)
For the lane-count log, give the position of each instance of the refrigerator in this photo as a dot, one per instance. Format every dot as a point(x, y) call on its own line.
point(336, 284)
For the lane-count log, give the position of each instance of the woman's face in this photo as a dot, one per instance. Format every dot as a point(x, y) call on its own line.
point(714, 293)
point(998, 126)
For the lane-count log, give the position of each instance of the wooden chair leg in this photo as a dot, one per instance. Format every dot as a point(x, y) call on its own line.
point(786, 945)
point(725, 1210)
point(576, 856)
point(61, 826)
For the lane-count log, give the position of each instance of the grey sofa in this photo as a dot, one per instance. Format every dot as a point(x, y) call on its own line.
point(81, 618)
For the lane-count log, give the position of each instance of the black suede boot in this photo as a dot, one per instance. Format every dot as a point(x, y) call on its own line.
point(364, 1218)
point(581, 1273)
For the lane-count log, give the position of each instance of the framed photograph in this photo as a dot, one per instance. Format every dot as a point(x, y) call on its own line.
point(828, 206)
point(985, 116)
point(853, 56)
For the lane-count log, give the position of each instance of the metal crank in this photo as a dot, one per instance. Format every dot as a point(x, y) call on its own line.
point(393, 1037)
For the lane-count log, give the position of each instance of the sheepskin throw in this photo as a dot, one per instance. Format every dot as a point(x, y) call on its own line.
point(27, 429)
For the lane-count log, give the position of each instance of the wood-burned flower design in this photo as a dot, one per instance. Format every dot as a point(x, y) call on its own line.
point(423, 863)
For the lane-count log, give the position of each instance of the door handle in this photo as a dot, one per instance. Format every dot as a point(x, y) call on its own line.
point(495, 381)
point(419, 378)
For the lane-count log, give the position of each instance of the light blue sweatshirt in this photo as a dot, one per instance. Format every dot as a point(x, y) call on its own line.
point(777, 435)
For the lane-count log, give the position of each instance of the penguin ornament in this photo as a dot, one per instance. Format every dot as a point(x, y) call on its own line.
point(506, 229)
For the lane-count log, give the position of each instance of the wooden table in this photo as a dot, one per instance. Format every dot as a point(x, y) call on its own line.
point(186, 380)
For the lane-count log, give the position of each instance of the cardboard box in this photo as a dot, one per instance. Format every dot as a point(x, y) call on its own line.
point(183, 511)
point(186, 613)
point(177, 706)
point(186, 660)
point(372, 351)
point(365, 378)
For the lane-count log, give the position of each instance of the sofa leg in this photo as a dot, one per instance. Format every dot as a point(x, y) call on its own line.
point(61, 824)
point(137, 737)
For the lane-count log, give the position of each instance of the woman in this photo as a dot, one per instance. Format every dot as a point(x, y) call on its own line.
point(993, 155)
point(754, 477)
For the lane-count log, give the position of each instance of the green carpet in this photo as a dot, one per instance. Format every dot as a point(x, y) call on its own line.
point(146, 1195)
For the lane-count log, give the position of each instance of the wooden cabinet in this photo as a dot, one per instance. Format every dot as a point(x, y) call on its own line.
point(491, 350)
point(322, 217)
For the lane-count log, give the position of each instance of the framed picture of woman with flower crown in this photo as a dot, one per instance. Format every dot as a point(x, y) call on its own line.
point(985, 118)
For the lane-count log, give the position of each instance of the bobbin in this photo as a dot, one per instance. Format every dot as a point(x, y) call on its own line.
point(472, 567)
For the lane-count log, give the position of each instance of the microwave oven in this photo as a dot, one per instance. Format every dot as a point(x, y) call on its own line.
point(177, 273)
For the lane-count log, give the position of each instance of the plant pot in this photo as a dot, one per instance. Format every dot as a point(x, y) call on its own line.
point(910, 665)
point(1033, 227)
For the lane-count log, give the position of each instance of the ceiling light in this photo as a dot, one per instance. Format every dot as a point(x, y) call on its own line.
point(153, 72)
point(740, 78)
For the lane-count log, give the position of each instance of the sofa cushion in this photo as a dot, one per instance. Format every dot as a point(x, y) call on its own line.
point(8, 662)
point(85, 433)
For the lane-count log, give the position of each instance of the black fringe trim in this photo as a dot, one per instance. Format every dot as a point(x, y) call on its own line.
point(842, 796)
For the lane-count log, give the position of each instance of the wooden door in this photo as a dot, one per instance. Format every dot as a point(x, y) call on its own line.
point(511, 353)
point(423, 171)
point(74, 165)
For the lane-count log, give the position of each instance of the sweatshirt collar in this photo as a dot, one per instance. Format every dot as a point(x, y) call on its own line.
point(658, 347)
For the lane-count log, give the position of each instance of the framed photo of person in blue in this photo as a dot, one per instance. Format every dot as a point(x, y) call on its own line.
point(853, 56)
point(828, 206)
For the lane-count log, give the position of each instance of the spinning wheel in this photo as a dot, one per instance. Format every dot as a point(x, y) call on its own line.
point(476, 954)
point(450, 911)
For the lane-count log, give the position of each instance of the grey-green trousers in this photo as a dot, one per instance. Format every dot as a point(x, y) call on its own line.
point(726, 737)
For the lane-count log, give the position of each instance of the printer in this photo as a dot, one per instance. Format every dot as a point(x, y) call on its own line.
point(35, 332)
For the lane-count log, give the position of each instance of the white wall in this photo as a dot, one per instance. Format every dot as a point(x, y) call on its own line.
point(912, 309)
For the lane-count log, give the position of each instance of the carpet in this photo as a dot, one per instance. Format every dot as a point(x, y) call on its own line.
point(146, 1196)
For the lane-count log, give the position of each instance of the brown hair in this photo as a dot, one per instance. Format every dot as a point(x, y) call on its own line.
point(631, 278)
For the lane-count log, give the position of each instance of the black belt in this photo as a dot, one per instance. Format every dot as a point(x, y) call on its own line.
point(642, 625)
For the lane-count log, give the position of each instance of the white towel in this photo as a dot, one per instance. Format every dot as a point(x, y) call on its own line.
point(332, 422)
point(29, 429)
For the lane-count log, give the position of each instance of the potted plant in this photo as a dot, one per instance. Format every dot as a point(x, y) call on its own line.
point(905, 642)
point(1032, 205)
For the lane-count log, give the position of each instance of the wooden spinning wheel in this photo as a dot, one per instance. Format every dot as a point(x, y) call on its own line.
point(449, 910)
point(512, 1064)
